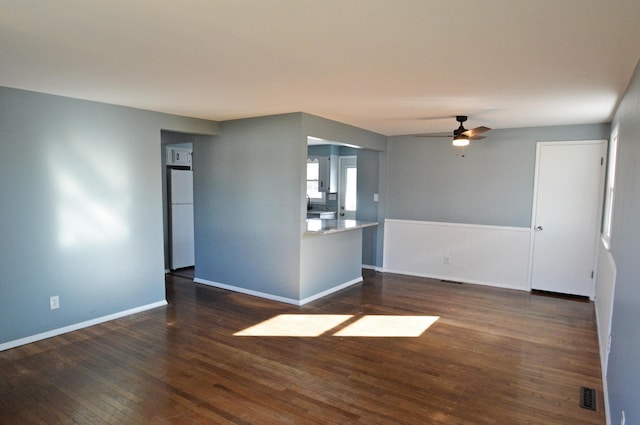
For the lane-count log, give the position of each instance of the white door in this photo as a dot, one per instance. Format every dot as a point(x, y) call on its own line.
point(566, 215)
point(348, 179)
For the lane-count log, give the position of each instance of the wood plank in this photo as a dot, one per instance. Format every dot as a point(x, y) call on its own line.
point(495, 356)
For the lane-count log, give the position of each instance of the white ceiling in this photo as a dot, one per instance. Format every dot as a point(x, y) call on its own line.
point(390, 66)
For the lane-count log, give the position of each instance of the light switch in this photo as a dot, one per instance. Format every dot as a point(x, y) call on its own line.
point(375, 197)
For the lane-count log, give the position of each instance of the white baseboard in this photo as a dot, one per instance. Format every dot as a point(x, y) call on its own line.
point(605, 393)
point(372, 267)
point(246, 291)
point(455, 279)
point(277, 297)
point(77, 326)
point(330, 291)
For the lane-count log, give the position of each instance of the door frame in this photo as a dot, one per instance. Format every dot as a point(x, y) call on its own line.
point(599, 206)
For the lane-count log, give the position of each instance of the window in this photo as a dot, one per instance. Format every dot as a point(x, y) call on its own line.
point(610, 188)
point(313, 177)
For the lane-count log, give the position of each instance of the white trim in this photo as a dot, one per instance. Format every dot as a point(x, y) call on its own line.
point(277, 297)
point(78, 326)
point(246, 291)
point(449, 278)
point(330, 291)
point(611, 154)
point(418, 248)
point(446, 224)
point(607, 408)
point(605, 291)
point(371, 267)
point(605, 334)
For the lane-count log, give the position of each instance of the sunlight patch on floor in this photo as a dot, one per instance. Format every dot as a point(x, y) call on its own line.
point(312, 325)
point(388, 326)
point(296, 325)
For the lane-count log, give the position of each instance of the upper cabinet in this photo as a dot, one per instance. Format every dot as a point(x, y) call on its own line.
point(328, 174)
point(327, 158)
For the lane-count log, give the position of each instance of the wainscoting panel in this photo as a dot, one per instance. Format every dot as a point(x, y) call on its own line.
point(605, 289)
point(488, 255)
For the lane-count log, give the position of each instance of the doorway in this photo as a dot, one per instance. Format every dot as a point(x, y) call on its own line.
point(566, 216)
point(176, 151)
point(348, 187)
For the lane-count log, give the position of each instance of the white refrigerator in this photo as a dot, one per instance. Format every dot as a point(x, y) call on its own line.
point(181, 218)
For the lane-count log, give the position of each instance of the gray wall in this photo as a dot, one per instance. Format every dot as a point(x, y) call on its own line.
point(248, 204)
point(623, 375)
point(249, 199)
point(81, 208)
point(492, 184)
point(368, 173)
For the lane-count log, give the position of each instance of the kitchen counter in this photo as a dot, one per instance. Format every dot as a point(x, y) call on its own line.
point(322, 226)
point(331, 256)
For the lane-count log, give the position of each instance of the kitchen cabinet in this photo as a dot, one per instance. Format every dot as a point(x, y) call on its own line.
point(328, 174)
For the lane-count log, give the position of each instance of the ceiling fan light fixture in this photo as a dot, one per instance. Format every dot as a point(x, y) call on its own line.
point(460, 140)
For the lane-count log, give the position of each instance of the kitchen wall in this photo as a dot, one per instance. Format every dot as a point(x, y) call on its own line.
point(247, 239)
point(623, 372)
point(81, 208)
point(369, 177)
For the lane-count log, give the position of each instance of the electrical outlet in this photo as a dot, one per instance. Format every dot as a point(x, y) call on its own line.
point(54, 302)
point(446, 259)
point(622, 419)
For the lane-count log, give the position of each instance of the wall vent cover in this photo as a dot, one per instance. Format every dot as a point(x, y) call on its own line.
point(451, 281)
point(587, 398)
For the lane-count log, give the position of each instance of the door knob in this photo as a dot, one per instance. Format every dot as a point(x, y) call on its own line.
point(539, 229)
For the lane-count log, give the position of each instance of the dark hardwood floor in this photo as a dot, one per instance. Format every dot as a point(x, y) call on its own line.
point(494, 356)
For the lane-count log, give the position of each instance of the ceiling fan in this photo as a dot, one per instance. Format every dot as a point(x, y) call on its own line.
point(462, 136)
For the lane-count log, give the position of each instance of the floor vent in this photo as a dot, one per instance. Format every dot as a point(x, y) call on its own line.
point(587, 398)
point(451, 281)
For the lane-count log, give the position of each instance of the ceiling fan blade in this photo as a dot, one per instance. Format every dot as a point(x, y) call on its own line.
point(477, 130)
point(476, 137)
